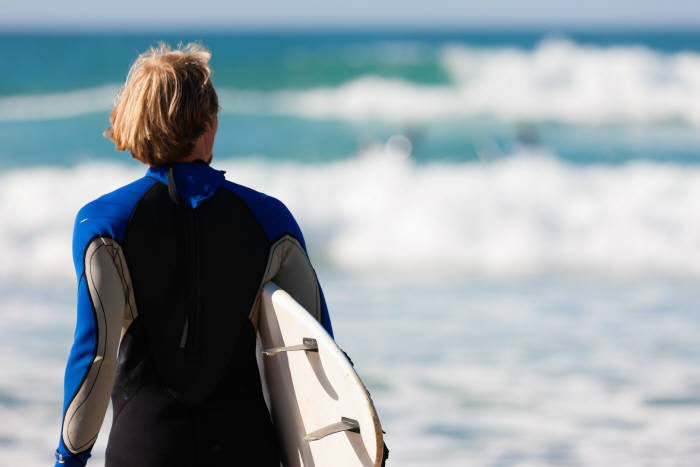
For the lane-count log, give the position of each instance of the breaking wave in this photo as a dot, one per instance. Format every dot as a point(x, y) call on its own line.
point(559, 80)
point(380, 213)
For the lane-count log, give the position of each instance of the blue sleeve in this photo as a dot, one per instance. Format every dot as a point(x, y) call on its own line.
point(81, 357)
point(325, 318)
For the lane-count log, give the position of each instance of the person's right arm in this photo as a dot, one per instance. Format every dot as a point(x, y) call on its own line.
point(91, 367)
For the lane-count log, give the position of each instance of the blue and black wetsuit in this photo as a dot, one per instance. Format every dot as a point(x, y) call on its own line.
point(170, 269)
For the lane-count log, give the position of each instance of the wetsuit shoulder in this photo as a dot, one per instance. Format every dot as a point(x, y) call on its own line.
point(107, 216)
point(272, 214)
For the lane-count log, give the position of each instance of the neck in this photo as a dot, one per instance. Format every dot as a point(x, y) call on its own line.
point(200, 151)
point(196, 157)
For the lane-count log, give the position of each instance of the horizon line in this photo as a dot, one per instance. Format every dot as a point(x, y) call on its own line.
point(373, 28)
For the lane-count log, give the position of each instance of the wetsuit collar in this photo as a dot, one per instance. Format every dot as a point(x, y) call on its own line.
point(195, 181)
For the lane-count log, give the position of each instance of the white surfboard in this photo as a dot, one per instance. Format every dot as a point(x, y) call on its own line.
point(322, 412)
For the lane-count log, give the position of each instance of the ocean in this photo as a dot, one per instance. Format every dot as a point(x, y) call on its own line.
point(503, 224)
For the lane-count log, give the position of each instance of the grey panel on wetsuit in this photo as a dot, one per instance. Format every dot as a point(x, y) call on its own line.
point(289, 267)
point(109, 286)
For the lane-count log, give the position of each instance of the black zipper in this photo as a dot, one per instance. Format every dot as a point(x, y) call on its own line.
point(189, 341)
point(189, 338)
point(193, 341)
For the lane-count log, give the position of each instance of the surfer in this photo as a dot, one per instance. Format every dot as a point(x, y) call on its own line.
point(170, 269)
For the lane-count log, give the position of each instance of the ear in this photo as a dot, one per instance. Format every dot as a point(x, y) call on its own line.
point(211, 124)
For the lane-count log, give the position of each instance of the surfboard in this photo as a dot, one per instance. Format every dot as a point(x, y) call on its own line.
point(322, 412)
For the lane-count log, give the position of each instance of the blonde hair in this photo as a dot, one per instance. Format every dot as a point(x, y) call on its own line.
point(165, 104)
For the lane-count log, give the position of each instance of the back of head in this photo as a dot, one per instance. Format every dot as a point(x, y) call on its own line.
point(165, 105)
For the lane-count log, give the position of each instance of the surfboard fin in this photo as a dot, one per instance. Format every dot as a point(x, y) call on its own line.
point(345, 424)
point(309, 345)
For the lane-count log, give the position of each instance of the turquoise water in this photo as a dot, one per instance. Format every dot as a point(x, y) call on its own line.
point(504, 225)
point(56, 92)
point(267, 61)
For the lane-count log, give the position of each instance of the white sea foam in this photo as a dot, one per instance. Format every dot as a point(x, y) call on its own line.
point(380, 212)
point(556, 372)
point(558, 80)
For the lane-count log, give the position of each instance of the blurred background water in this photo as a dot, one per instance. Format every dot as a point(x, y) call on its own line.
point(505, 225)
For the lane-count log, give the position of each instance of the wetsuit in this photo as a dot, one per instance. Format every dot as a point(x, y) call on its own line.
point(170, 269)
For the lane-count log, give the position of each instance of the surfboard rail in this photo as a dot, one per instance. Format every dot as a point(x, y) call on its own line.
point(321, 410)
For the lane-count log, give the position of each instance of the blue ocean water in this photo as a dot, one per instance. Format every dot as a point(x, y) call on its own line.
point(503, 222)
